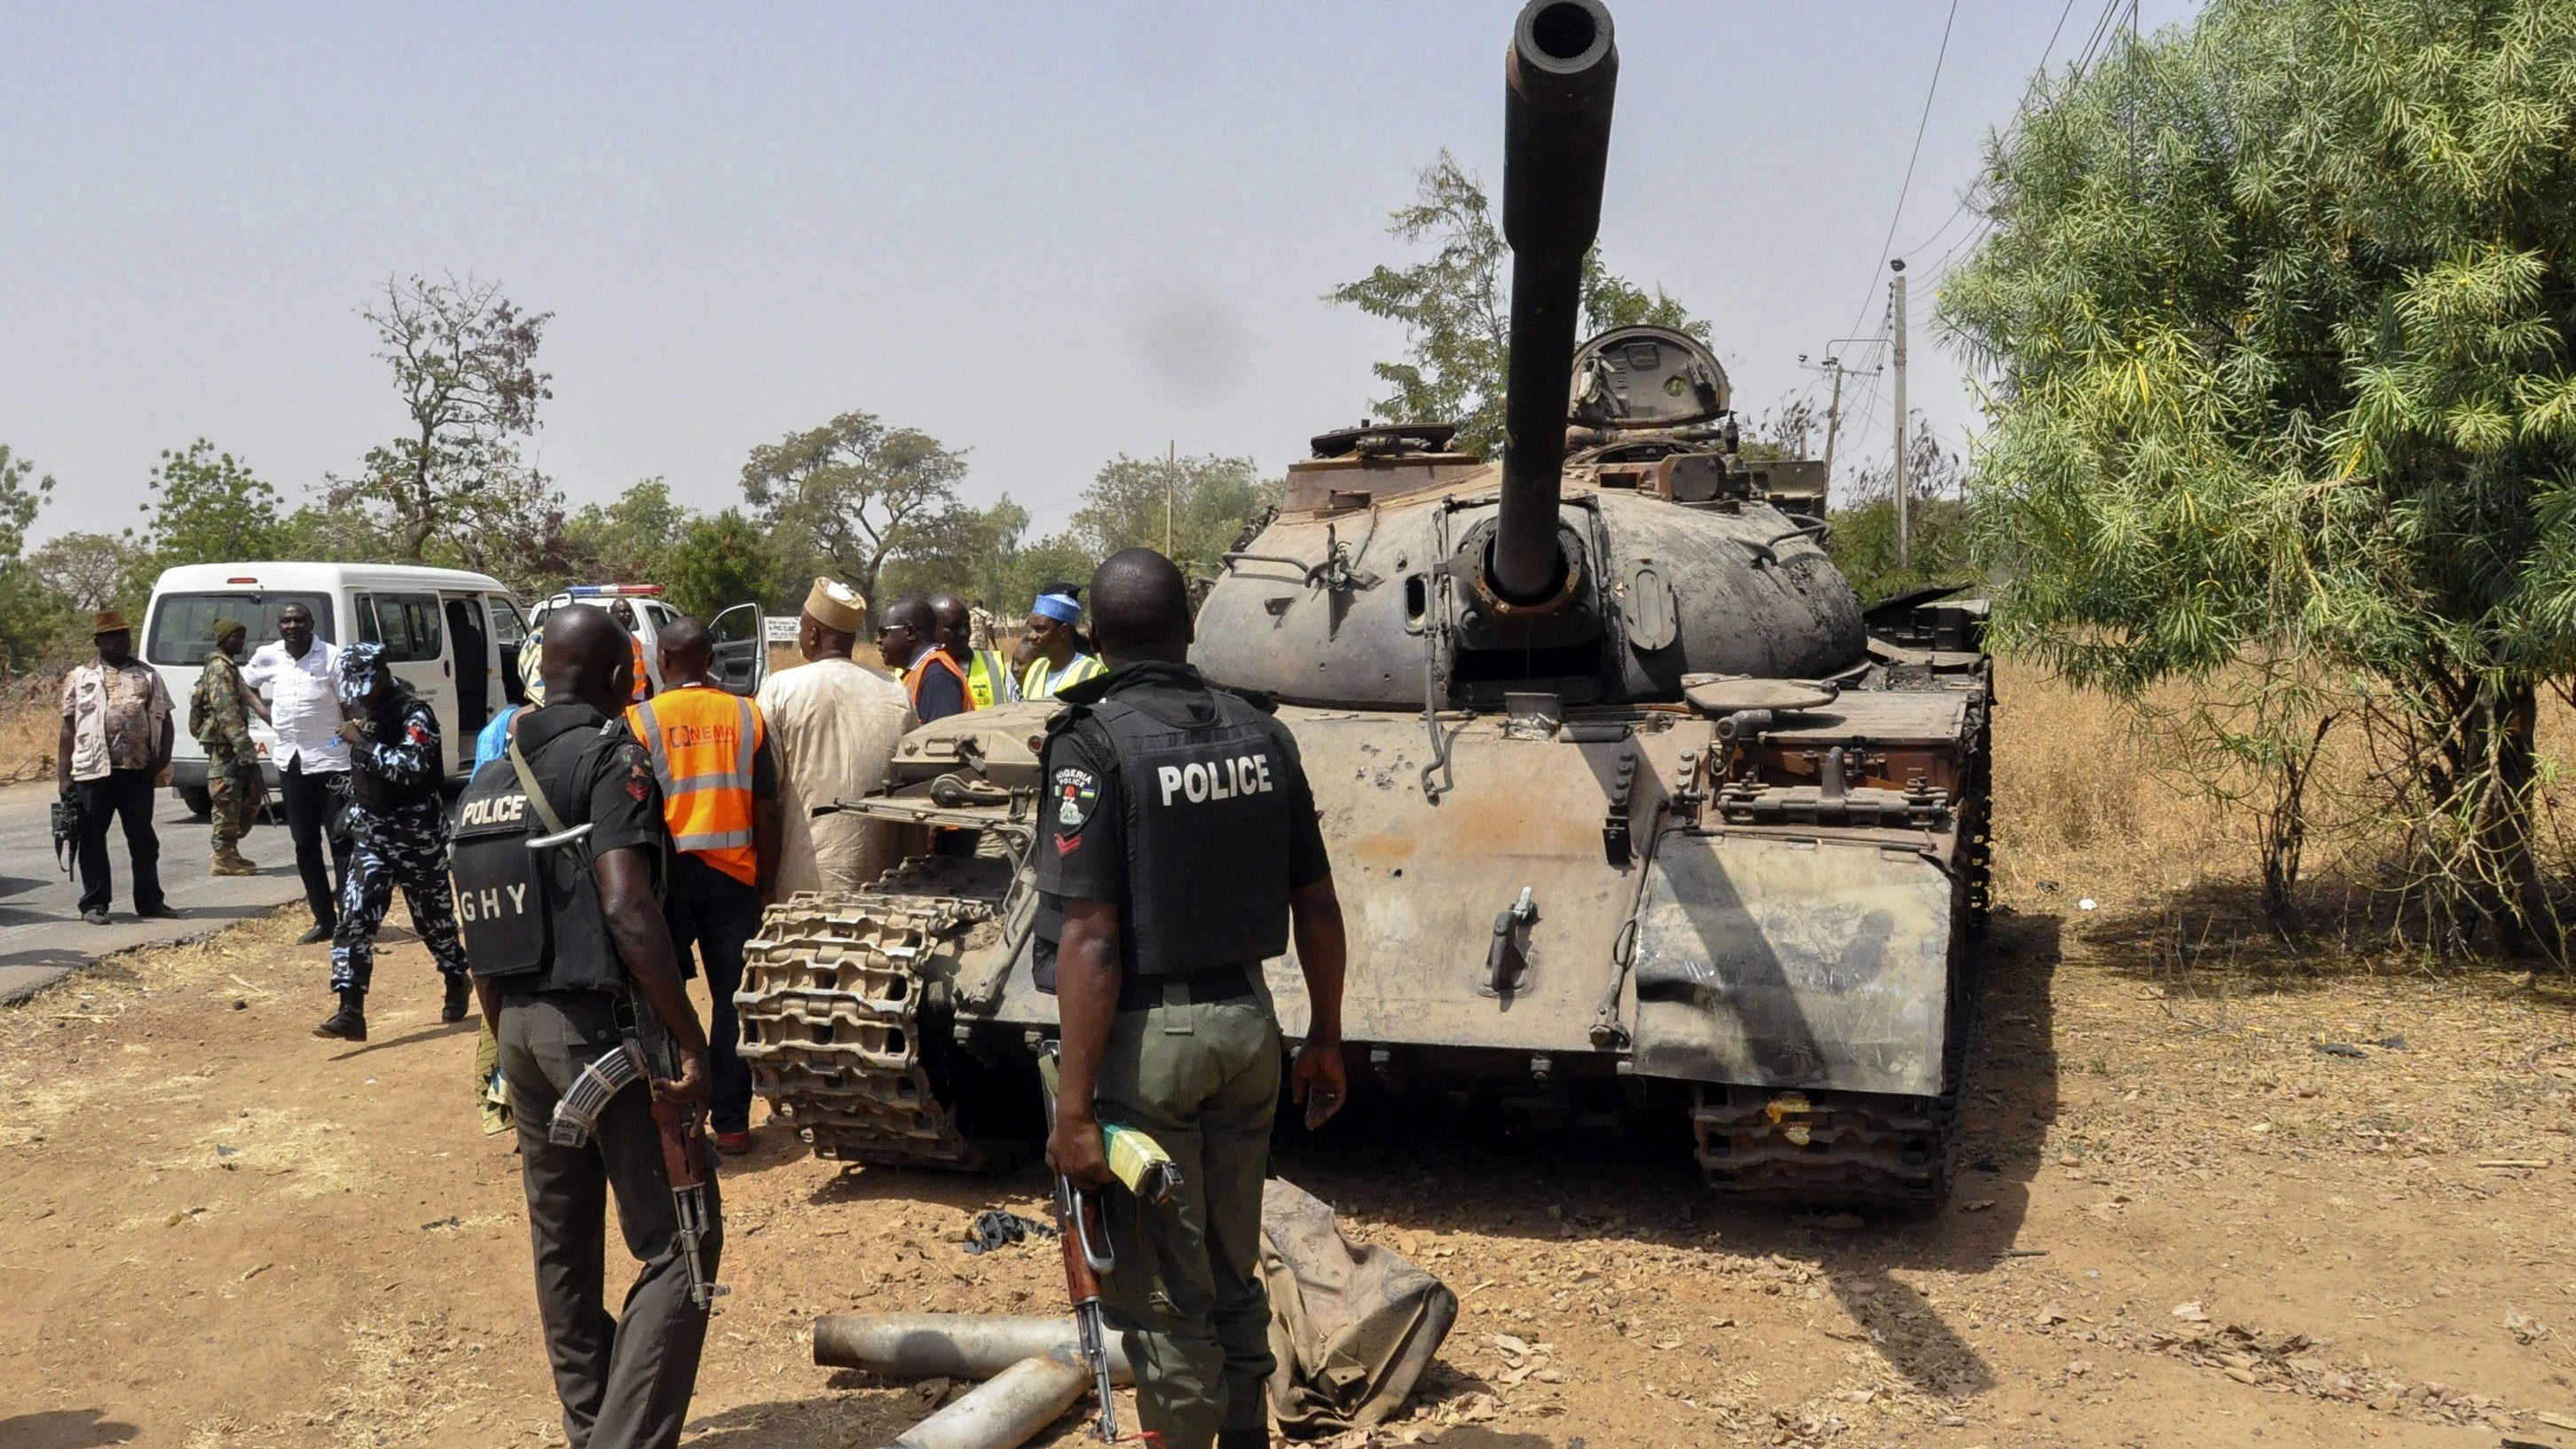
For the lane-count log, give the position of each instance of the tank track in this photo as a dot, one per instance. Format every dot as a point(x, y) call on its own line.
point(845, 1018)
point(1859, 1148)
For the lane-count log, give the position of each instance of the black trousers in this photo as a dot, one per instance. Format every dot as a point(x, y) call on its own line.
point(718, 914)
point(126, 795)
point(625, 1381)
point(309, 802)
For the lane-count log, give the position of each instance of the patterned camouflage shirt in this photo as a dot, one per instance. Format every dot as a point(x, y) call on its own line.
point(217, 711)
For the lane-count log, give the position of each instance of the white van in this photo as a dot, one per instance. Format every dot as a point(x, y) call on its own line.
point(739, 634)
point(453, 636)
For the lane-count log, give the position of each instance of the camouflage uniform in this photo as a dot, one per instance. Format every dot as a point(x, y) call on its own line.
point(232, 760)
point(403, 845)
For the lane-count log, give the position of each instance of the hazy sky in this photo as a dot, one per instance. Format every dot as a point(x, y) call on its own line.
point(1049, 233)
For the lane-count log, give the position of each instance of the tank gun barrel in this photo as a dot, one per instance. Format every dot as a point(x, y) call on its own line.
point(1559, 78)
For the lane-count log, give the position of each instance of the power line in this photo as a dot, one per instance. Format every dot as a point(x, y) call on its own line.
point(2046, 52)
point(1921, 123)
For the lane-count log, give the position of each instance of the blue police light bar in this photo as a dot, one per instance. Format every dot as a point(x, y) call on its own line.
point(614, 591)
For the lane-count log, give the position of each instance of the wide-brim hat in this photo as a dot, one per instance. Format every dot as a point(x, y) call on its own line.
point(110, 621)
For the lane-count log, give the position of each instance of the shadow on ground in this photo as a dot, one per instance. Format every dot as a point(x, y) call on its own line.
point(2205, 938)
point(803, 1423)
point(64, 1429)
point(1641, 1185)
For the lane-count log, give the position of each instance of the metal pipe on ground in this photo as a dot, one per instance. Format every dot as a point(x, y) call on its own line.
point(944, 1345)
point(1009, 1409)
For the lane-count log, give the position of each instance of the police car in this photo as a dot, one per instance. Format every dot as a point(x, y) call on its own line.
point(741, 652)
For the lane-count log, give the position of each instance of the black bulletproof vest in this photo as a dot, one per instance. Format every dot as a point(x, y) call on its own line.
point(374, 790)
point(531, 918)
point(1208, 829)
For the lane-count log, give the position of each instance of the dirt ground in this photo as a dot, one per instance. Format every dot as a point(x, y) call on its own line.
point(2184, 1223)
point(2207, 1201)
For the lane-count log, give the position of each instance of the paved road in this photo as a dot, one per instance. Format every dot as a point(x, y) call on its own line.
point(42, 938)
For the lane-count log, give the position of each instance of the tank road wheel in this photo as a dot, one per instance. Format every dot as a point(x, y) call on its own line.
point(847, 1033)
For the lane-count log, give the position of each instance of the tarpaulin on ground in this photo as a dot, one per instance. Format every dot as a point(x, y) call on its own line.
point(1352, 1325)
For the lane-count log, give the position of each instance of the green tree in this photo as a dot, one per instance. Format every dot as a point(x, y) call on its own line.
point(2277, 309)
point(1210, 499)
point(1456, 308)
point(1939, 546)
point(453, 488)
point(986, 555)
point(721, 561)
point(629, 539)
point(93, 571)
point(208, 507)
point(32, 616)
point(852, 493)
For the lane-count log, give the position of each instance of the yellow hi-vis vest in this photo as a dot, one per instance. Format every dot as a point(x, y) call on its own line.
point(1041, 681)
point(988, 680)
point(704, 742)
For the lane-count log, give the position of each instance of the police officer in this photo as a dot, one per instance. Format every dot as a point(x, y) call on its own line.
point(1156, 786)
point(398, 836)
point(625, 1382)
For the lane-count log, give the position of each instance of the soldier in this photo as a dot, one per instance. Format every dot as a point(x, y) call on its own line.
point(398, 836)
point(219, 716)
point(1156, 785)
point(554, 999)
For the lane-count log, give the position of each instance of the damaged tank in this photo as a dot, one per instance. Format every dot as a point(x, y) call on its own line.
point(1633, 810)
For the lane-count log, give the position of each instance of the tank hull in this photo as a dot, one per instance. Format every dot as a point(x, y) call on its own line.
point(1798, 991)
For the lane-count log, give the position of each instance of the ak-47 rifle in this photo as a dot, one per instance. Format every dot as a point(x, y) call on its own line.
point(646, 1054)
point(1087, 1255)
point(684, 1155)
point(66, 816)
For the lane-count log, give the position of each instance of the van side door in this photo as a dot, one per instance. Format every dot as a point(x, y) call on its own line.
point(413, 629)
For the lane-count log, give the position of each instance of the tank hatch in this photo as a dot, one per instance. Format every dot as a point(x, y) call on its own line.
point(1647, 377)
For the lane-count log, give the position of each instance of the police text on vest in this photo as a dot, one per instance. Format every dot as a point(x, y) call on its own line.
point(493, 810)
point(1223, 780)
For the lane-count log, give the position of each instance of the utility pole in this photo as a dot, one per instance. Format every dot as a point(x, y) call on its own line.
point(1896, 292)
point(1833, 417)
point(1171, 469)
point(1834, 367)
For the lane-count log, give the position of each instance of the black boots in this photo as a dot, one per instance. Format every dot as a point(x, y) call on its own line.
point(349, 1023)
point(460, 990)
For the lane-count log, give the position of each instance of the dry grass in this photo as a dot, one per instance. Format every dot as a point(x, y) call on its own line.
point(2089, 806)
point(30, 726)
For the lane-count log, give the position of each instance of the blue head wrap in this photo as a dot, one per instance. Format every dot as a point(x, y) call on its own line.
point(359, 664)
point(1062, 608)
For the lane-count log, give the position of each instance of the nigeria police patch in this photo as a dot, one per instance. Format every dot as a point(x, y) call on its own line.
point(1076, 792)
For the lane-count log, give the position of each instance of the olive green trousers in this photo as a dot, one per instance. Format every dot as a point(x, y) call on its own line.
point(1202, 1079)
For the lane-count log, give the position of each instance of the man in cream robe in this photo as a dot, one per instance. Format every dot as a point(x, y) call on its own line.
point(835, 725)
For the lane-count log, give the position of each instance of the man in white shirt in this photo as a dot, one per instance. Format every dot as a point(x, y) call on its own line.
point(300, 675)
point(834, 725)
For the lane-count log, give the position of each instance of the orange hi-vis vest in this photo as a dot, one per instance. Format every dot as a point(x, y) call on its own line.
point(703, 742)
point(921, 666)
point(643, 676)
